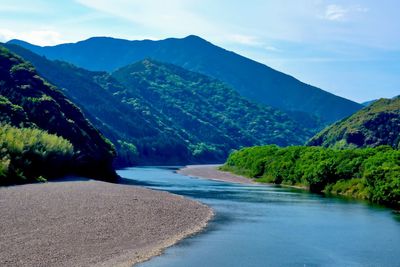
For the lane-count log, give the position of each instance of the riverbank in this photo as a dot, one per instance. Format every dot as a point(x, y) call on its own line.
point(91, 223)
point(211, 172)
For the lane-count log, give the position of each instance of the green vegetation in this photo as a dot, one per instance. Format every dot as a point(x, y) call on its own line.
point(375, 125)
point(28, 155)
point(170, 115)
point(369, 173)
point(39, 127)
point(249, 78)
point(211, 116)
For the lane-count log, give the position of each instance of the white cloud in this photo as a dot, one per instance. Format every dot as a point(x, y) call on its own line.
point(335, 12)
point(244, 39)
point(249, 41)
point(173, 18)
point(23, 8)
point(340, 13)
point(38, 37)
point(271, 48)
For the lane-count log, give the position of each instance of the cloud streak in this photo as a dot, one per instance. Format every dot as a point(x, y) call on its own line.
point(174, 18)
point(335, 12)
point(42, 37)
point(340, 13)
point(309, 39)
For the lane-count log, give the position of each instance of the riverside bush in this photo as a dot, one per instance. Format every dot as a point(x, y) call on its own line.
point(29, 155)
point(367, 173)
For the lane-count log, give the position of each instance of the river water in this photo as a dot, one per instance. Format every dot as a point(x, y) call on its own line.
point(262, 225)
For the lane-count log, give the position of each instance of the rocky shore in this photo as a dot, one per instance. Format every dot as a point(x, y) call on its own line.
point(91, 223)
point(212, 172)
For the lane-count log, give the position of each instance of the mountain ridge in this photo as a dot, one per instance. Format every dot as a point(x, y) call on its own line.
point(35, 110)
point(374, 125)
point(139, 119)
point(250, 78)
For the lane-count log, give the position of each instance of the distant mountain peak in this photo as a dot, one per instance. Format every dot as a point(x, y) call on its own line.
point(251, 79)
point(194, 37)
point(18, 42)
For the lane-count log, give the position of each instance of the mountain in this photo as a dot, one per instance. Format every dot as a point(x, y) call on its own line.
point(251, 79)
point(157, 113)
point(39, 124)
point(367, 103)
point(134, 128)
point(374, 125)
point(206, 108)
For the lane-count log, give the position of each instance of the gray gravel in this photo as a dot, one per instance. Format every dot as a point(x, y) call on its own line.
point(212, 172)
point(91, 223)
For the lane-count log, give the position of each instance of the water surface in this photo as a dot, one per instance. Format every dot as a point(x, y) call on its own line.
point(273, 226)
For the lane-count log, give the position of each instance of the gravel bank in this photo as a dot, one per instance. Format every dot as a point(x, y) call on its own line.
point(211, 172)
point(91, 223)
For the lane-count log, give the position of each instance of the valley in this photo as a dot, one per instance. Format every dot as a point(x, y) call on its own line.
point(95, 136)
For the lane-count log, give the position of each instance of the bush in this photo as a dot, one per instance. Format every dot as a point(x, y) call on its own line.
point(29, 155)
point(369, 173)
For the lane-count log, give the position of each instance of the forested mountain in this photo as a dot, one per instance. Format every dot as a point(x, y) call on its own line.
point(42, 133)
point(168, 114)
point(251, 79)
point(205, 108)
point(374, 125)
point(134, 128)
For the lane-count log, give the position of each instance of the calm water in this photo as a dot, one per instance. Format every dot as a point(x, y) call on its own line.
point(272, 226)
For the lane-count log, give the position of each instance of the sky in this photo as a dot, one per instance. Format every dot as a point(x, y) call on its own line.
point(348, 47)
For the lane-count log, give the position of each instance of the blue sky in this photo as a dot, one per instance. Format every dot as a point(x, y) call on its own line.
point(350, 48)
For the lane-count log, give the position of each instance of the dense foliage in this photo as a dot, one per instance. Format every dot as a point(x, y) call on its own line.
point(251, 79)
point(28, 155)
point(213, 116)
point(28, 101)
point(369, 173)
point(375, 125)
point(158, 113)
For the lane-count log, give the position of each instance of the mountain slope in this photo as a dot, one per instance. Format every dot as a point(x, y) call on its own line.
point(374, 125)
point(251, 79)
point(28, 101)
point(367, 103)
point(206, 108)
point(134, 128)
point(169, 114)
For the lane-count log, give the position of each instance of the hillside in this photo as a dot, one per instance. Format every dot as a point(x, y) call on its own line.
point(159, 113)
point(251, 79)
point(367, 103)
point(365, 173)
point(374, 125)
point(205, 108)
point(40, 126)
point(136, 130)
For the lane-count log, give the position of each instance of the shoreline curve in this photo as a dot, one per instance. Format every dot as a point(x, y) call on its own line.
point(92, 223)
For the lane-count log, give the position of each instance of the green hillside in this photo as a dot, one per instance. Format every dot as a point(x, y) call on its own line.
point(207, 110)
point(40, 126)
point(375, 125)
point(136, 130)
point(251, 79)
point(162, 114)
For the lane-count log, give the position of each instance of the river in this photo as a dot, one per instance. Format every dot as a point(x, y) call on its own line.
point(262, 225)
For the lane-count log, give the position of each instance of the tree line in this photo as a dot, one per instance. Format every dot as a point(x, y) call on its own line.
point(366, 173)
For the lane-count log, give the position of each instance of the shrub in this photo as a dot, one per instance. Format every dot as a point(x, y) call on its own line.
point(369, 173)
point(29, 155)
